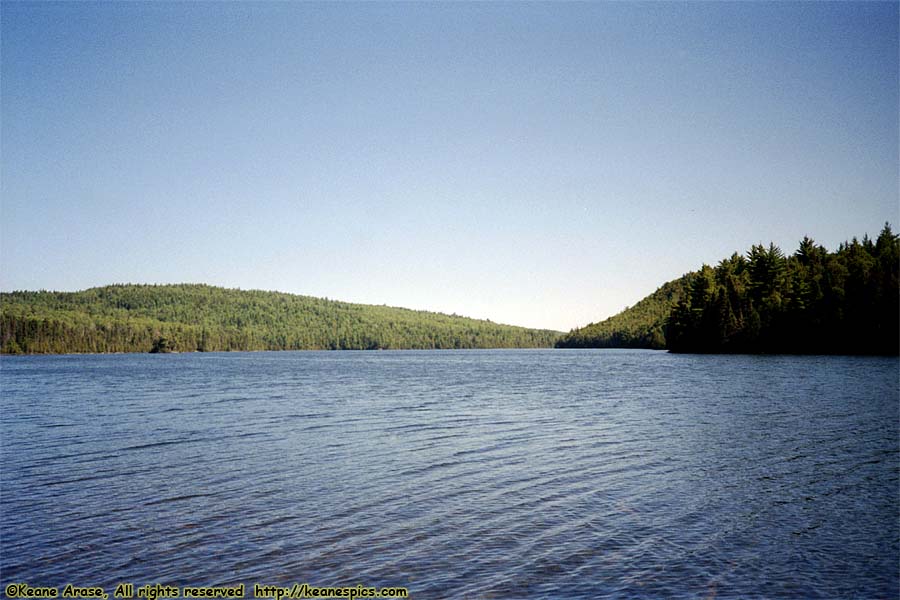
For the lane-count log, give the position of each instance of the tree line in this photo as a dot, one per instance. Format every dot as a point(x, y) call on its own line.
point(186, 318)
point(814, 301)
point(811, 302)
point(640, 326)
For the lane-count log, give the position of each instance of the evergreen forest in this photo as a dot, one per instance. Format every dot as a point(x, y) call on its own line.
point(640, 326)
point(811, 302)
point(186, 318)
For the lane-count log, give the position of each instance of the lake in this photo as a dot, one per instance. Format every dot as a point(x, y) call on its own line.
point(456, 474)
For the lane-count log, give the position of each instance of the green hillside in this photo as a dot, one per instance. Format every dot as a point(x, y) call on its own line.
point(141, 318)
point(640, 326)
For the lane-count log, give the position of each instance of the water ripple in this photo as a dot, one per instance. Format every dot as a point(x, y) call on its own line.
point(495, 474)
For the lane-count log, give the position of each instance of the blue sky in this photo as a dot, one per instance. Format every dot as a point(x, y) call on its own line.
point(536, 164)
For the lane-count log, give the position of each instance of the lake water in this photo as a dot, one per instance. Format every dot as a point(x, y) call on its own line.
point(457, 474)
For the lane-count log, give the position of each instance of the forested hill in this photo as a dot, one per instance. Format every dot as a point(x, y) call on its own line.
point(141, 318)
point(641, 326)
point(814, 301)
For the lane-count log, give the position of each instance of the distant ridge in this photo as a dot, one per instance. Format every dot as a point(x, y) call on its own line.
point(196, 317)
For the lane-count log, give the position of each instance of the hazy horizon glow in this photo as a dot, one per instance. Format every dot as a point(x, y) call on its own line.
point(535, 164)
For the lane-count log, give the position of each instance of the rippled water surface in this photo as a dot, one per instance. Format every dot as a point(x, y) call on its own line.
point(469, 474)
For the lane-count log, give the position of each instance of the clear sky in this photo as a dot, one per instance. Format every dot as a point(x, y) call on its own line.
point(535, 164)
